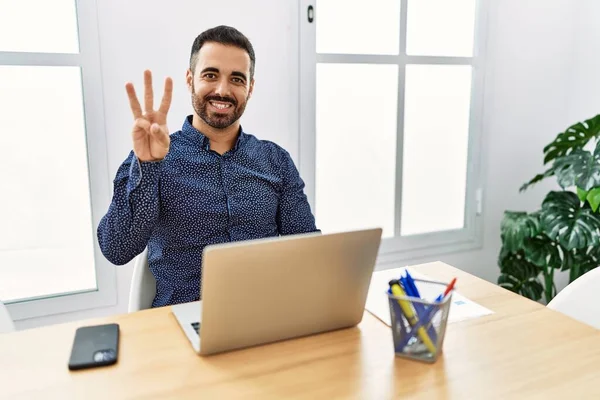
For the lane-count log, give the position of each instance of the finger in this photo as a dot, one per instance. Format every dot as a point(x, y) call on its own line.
point(143, 124)
point(155, 129)
point(148, 92)
point(134, 103)
point(165, 104)
point(161, 135)
point(141, 128)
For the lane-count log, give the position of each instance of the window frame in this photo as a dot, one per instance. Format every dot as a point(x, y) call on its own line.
point(88, 59)
point(401, 248)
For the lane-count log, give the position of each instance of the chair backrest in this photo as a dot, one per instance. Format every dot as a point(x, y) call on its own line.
point(579, 299)
point(143, 284)
point(6, 322)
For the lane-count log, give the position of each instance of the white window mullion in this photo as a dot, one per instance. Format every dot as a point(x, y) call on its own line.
point(357, 59)
point(307, 93)
point(475, 192)
point(39, 59)
point(93, 101)
point(400, 118)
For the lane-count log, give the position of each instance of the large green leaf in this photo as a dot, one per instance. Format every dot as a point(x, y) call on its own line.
point(516, 227)
point(542, 252)
point(575, 137)
point(580, 168)
point(565, 221)
point(519, 275)
point(582, 194)
point(593, 197)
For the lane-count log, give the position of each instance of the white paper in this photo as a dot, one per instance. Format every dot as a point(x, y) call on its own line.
point(377, 301)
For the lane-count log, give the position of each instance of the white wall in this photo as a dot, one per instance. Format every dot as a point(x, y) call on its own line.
point(541, 76)
point(585, 92)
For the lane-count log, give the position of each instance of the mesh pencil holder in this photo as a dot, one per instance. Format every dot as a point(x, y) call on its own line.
point(419, 325)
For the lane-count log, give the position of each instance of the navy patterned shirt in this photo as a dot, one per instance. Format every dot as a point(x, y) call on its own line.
point(196, 197)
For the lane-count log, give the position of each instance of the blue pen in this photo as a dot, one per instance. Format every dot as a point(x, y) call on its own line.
point(411, 282)
point(421, 309)
point(429, 314)
point(422, 321)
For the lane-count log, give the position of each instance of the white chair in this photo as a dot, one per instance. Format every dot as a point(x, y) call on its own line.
point(143, 284)
point(579, 300)
point(6, 322)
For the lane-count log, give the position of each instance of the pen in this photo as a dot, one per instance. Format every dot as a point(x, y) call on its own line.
point(410, 315)
point(448, 289)
point(410, 288)
point(411, 282)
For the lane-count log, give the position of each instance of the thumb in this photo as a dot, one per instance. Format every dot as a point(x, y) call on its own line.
point(155, 129)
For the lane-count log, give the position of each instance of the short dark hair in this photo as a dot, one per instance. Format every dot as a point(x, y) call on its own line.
point(225, 35)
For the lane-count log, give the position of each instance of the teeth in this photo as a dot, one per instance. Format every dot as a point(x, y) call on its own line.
point(221, 106)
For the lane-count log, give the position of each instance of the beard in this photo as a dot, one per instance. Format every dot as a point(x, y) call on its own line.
point(215, 119)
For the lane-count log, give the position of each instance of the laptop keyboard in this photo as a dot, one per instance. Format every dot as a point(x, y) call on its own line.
point(196, 326)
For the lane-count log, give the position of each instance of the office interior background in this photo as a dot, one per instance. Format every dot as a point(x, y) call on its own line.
point(432, 145)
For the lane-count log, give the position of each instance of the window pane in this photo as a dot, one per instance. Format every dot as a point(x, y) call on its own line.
point(46, 235)
point(436, 131)
point(356, 27)
point(40, 26)
point(356, 146)
point(440, 27)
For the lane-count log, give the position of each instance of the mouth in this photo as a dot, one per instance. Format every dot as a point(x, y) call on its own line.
point(221, 106)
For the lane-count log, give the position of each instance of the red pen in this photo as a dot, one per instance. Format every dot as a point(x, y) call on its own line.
point(450, 287)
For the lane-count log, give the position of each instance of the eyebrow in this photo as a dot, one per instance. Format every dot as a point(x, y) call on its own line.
point(210, 69)
point(239, 75)
point(234, 73)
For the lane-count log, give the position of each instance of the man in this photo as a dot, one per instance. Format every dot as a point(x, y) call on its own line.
point(208, 183)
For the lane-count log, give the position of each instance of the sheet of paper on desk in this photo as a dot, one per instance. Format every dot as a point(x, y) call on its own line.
point(377, 302)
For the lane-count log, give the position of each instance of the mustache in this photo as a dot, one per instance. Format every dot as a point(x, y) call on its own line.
point(219, 98)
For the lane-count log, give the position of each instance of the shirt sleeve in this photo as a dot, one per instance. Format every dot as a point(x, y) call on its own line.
point(294, 214)
point(125, 230)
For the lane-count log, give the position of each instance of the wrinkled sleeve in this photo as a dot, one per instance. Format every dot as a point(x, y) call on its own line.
point(125, 230)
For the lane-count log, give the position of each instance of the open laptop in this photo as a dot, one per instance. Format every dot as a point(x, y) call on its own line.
point(261, 291)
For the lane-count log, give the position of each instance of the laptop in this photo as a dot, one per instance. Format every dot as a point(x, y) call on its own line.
point(262, 291)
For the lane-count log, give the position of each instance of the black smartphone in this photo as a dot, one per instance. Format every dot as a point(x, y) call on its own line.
point(95, 346)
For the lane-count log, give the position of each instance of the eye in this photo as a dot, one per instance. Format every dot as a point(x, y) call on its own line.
point(210, 76)
point(237, 80)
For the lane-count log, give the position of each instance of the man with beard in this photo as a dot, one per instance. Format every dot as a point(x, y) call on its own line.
point(208, 183)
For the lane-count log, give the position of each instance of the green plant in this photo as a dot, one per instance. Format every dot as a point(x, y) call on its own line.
point(565, 233)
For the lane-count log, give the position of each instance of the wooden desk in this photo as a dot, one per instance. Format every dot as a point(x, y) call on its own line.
point(522, 351)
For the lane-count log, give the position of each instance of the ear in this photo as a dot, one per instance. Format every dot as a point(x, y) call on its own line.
point(251, 89)
point(189, 79)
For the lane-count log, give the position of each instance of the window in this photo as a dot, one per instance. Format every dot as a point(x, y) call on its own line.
point(53, 171)
point(391, 104)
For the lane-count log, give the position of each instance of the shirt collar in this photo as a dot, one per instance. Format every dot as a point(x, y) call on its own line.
point(202, 141)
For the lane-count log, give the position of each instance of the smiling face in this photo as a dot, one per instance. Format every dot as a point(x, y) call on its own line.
point(220, 84)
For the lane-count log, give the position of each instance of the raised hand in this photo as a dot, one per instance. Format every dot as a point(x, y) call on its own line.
point(150, 133)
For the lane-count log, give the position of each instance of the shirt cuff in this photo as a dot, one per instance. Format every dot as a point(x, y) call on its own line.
point(143, 173)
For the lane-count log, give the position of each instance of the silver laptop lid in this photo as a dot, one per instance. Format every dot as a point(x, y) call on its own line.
point(260, 291)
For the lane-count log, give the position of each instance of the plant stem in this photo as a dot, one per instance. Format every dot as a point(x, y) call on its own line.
point(548, 283)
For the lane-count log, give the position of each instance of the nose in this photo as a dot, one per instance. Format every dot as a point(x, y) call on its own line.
point(222, 88)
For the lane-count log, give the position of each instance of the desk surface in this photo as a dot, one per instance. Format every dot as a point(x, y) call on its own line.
point(523, 350)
